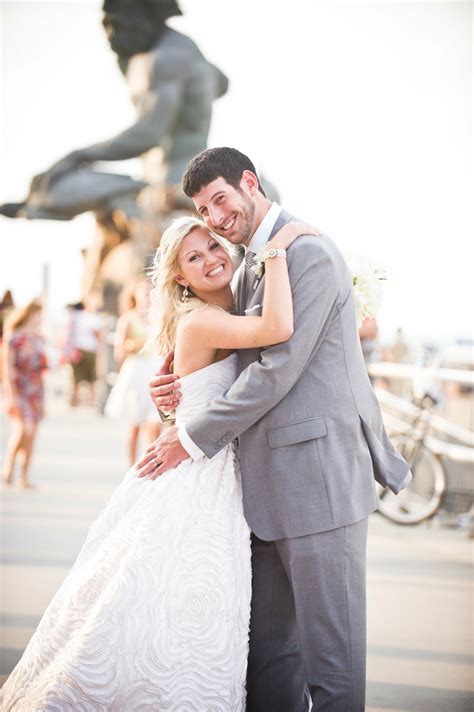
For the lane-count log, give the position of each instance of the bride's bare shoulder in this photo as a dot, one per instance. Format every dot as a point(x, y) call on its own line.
point(194, 347)
point(199, 318)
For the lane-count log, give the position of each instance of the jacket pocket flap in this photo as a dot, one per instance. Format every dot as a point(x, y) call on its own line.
point(296, 432)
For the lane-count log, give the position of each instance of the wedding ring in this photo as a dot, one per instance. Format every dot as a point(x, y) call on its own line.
point(157, 463)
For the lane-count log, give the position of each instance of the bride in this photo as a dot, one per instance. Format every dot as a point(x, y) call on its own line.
point(154, 614)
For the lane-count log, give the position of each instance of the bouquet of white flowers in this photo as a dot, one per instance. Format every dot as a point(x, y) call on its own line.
point(367, 280)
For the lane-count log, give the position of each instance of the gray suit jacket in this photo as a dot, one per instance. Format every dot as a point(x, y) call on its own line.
point(309, 425)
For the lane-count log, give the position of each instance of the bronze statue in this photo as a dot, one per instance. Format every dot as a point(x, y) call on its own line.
point(172, 87)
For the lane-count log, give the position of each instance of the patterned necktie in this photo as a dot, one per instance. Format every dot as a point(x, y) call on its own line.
point(249, 265)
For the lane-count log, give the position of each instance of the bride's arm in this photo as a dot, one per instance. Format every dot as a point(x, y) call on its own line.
point(215, 328)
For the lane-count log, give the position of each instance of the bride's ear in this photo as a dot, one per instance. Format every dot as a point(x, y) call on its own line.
point(179, 279)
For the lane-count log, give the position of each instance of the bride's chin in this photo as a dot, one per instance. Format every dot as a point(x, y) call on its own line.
point(219, 287)
point(224, 281)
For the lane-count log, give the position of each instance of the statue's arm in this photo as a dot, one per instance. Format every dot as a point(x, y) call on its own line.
point(160, 103)
point(160, 108)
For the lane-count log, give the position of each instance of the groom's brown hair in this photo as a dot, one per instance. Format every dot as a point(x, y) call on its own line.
point(223, 162)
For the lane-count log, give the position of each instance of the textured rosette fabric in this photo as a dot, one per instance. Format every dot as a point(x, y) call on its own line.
point(154, 614)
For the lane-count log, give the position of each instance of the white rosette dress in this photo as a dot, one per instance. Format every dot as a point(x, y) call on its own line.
point(154, 615)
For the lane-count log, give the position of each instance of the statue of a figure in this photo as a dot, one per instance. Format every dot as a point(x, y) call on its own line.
point(172, 87)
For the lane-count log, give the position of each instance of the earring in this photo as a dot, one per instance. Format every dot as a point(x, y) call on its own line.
point(185, 295)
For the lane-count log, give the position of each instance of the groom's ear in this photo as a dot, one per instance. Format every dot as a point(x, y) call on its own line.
point(249, 183)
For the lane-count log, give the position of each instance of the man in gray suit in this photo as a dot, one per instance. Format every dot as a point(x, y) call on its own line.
point(311, 442)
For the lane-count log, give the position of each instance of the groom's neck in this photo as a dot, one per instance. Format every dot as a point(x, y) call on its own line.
point(263, 206)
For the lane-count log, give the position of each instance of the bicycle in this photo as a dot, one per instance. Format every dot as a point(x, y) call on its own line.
point(423, 497)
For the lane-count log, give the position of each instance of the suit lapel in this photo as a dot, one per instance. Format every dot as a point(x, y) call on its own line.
point(283, 218)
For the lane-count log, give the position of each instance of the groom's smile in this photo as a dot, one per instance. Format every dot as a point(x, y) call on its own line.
point(227, 226)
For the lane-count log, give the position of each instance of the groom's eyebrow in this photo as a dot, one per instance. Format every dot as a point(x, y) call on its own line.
point(203, 207)
point(219, 192)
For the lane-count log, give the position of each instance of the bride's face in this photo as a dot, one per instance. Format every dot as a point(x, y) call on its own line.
point(203, 263)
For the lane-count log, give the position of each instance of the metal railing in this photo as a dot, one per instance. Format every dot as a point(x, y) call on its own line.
point(409, 372)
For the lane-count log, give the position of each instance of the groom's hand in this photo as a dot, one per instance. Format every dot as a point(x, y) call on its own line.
point(163, 454)
point(164, 387)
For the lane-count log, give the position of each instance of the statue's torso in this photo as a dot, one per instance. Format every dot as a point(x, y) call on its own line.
point(177, 59)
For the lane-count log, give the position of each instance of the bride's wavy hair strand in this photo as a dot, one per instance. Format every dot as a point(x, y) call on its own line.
point(166, 297)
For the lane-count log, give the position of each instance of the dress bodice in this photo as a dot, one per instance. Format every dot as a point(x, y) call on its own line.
point(200, 387)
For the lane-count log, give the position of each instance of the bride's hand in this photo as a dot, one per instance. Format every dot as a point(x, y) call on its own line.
point(288, 234)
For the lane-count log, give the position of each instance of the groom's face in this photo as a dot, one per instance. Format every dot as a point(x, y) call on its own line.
point(229, 211)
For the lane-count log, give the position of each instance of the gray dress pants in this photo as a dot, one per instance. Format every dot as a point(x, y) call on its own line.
point(308, 622)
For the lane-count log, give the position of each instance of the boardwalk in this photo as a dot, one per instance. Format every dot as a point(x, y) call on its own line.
point(419, 580)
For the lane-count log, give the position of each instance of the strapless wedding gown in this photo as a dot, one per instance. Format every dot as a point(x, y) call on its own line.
point(154, 615)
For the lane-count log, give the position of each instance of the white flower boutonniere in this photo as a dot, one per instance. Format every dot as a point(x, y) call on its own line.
point(258, 263)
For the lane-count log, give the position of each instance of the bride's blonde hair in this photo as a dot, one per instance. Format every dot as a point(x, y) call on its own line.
point(166, 298)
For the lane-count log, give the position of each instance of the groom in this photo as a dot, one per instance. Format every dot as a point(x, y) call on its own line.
point(311, 442)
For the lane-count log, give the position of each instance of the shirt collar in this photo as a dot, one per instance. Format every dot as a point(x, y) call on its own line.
point(262, 233)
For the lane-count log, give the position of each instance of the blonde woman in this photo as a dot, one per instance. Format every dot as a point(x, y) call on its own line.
point(154, 614)
point(24, 362)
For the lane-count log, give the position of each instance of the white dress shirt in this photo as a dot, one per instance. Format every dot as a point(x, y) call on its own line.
point(262, 233)
point(259, 239)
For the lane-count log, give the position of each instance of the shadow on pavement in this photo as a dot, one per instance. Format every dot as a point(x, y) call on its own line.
point(381, 695)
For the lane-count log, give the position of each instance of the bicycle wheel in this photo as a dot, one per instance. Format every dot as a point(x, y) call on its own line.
point(422, 498)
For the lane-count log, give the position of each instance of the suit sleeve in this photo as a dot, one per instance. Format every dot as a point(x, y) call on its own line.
point(265, 382)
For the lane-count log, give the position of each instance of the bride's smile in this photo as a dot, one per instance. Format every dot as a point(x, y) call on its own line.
point(216, 270)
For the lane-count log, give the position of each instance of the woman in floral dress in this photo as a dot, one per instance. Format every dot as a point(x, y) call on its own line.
point(23, 367)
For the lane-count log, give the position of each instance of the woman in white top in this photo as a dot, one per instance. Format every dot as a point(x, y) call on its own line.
point(129, 397)
point(84, 341)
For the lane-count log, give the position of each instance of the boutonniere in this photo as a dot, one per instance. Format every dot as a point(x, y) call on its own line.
point(258, 267)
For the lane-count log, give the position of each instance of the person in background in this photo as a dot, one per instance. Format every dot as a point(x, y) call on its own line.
point(399, 349)
point(24, 361)
point(396, 352)
point(368, 338)
point(84, 341)
point(129, 396)
point(6, 307)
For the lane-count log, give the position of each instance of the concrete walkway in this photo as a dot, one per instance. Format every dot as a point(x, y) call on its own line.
point(419, 579)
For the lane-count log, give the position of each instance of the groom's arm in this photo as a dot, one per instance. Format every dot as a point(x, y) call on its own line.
point(264, 383)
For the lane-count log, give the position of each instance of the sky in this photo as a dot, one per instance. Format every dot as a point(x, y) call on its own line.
point(359, 112)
